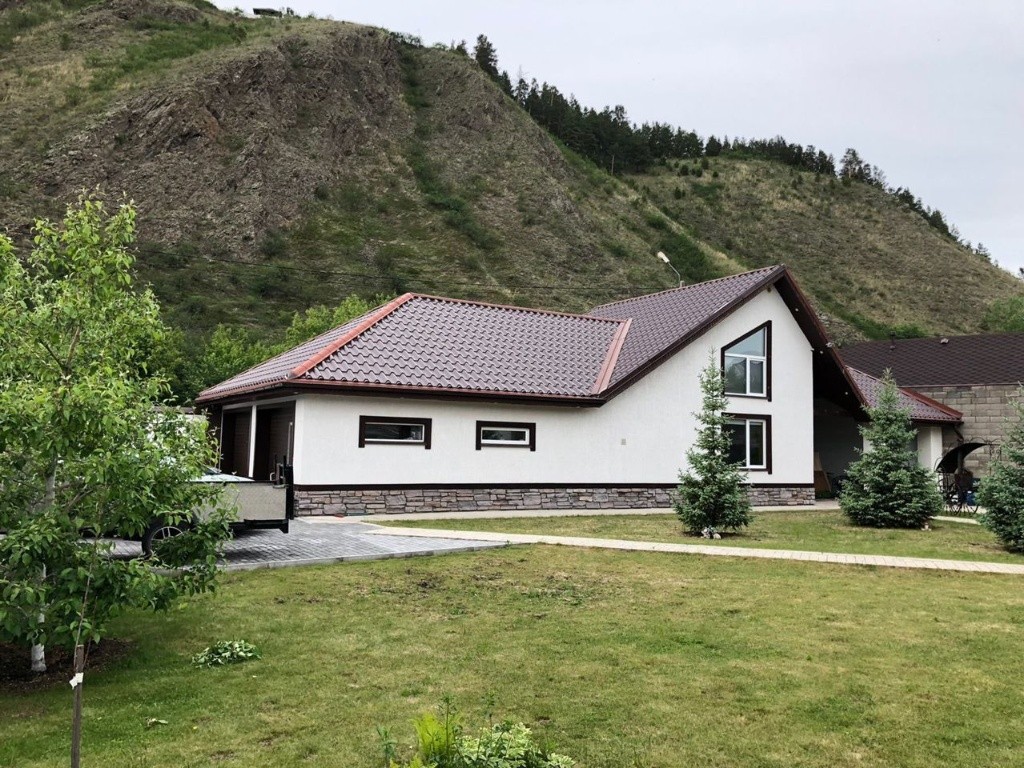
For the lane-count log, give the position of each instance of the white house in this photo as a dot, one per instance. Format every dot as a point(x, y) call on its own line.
point(430, 403)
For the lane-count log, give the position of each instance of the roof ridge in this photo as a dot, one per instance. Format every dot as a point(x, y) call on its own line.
point(687, 287)
point(515, 307)
point(611, 358)
point(372, 319)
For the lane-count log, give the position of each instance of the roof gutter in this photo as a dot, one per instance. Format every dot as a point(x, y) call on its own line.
point(306, 386)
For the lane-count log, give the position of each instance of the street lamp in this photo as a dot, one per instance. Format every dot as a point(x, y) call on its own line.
point(664, 258)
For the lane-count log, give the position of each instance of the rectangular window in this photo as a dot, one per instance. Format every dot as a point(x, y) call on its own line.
point(746, 364)
point(509, 434)
point(388, 429)
point(750, 441)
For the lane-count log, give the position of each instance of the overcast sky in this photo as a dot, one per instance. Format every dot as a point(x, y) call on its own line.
point(932, 91)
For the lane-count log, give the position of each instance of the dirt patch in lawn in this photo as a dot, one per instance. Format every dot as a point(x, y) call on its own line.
point(16, 675)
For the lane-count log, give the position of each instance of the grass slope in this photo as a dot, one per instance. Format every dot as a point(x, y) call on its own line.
point(279, 164)
point(282, 164)
point(867, 262)
point(619, 659)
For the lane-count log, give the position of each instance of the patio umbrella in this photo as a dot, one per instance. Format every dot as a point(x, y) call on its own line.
point(954, 458)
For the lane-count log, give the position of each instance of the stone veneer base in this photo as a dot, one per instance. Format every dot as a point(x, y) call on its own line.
point(359, 501)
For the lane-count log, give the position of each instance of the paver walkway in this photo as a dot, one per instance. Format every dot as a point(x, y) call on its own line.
point(884, 561)
point(307, 543)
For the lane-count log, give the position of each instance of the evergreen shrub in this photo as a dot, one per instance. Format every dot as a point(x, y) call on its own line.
point(1002, 492)
point(712, 496)
point(885, 487)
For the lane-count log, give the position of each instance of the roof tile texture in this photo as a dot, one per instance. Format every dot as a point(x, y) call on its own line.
point(958, 361)
point(662, 320)
point(440, 343)
point(449, 344)
point(920, 410)
point(429, 342)
point(276, 369)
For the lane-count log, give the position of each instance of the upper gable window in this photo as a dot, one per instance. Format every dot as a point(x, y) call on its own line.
point(745, 363)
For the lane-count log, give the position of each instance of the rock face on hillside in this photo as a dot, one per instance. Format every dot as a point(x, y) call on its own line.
point(280, 164)
point(239, 148)
point(297, 162)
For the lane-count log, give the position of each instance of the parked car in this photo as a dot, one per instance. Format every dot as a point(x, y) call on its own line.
point(257, 505)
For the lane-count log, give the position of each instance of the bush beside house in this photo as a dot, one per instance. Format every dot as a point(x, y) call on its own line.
point(885, 487)
point(711, 494)
point(1002, 492)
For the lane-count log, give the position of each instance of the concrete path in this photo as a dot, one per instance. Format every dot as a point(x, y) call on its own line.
point(307, 543)
point(883, 561)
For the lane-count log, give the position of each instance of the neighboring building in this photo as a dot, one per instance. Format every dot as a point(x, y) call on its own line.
point(837, 437)
point(434, 403)
point(979, 376)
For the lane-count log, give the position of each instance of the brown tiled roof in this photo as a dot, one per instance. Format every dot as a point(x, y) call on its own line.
point(943, 361)
point(662, 322)
point(432, 343)
point(922, 409)
point(428, 344)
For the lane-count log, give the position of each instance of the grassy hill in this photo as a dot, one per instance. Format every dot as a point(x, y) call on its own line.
point(279, 164)
point(865, 259)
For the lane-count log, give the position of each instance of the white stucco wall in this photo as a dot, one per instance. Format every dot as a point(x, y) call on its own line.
point(638, 437)
point(929, 446)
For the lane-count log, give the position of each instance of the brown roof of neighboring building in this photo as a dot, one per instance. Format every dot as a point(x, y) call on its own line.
point(943, 361)
point(429, 344)
point(922, 409)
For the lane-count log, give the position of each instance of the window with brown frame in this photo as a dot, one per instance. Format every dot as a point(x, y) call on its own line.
point(750, 440)
point(747, 364)
point(506, 434)
point(397, 430)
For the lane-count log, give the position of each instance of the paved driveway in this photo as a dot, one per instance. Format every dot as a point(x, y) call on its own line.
point(322, 541)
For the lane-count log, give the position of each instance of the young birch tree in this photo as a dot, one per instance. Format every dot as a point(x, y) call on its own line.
point(84, 444)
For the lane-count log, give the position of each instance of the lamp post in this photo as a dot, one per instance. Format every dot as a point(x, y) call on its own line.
point(664, 258)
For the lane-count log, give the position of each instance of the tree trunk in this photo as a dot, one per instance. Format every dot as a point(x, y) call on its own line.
point(39, 651)
point(76, 714)
point(38, 657)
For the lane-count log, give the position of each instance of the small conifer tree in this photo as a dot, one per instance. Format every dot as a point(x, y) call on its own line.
point(1002, 492)
point(885, 487)
point(712, 496)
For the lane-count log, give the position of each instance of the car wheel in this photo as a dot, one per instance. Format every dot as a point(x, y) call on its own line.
point(158, 530)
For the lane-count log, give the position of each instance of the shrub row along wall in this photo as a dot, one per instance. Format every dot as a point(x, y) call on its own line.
point(359, 501)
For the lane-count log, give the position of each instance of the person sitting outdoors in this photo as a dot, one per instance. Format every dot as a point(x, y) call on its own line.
point(963, 481)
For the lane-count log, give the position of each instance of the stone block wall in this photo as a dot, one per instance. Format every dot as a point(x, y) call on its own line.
point(781, 496)
point(986, 410)
point(360, 501)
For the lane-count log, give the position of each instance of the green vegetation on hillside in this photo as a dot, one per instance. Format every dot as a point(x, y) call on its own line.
point(871, 265)
point(283, 164)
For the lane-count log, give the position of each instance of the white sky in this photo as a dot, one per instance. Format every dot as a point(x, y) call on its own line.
point(932, 91)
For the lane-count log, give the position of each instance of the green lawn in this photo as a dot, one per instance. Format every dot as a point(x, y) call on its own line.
point(619, 659)
point(808, 530)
